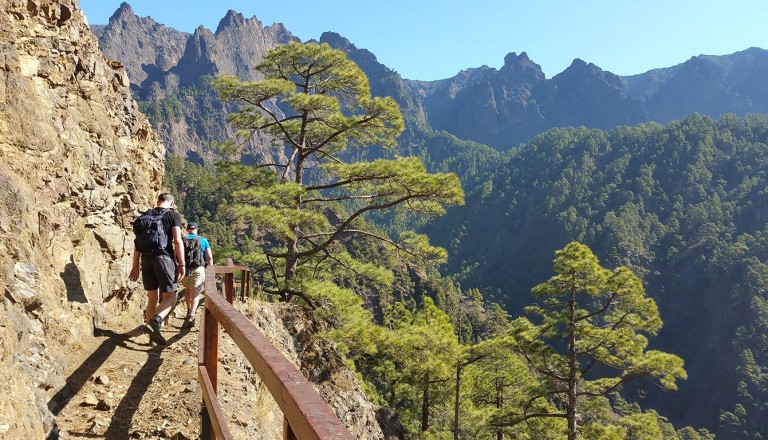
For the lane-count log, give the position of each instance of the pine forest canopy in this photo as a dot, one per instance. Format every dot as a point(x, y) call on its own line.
point(684, 205)
point(601, 316)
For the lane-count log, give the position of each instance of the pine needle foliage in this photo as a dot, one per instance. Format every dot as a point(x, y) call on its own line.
point(600, 318)
point(315, 104)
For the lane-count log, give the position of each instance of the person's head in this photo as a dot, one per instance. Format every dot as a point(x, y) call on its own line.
point(192, 228)
point(165, 200)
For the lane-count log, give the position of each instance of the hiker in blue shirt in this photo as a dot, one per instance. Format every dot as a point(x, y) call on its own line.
point(195, 279)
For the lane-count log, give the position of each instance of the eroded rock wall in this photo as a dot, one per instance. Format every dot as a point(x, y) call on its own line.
point(78, 163)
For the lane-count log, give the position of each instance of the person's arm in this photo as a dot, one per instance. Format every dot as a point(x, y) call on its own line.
point(208, 256)
point(178, 251)
point(134, 275)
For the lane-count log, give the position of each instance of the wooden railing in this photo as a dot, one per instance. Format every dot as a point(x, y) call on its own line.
point(306, 415)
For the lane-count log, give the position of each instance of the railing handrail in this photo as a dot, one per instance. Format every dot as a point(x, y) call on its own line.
point(307, 415)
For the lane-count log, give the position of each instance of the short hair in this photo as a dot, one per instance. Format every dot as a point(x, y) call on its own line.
point(165, 197)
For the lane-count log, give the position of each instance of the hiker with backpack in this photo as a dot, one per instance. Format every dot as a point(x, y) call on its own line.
point(197, 256)
point(159, 257)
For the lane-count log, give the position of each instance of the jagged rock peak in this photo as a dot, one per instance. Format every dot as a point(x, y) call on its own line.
point(363, 57)
point(199, 44)
point(337, 41)
point(200, 31)
point(123, 12)
point(522, 66)
point(580, 65)
point(236, 19)
point(279, 29)
point(512, 58)
point(581, 69)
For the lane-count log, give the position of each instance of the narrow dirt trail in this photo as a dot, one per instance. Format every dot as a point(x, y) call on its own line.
point(123, 387)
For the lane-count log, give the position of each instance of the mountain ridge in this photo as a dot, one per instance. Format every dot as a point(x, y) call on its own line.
point(501, 107)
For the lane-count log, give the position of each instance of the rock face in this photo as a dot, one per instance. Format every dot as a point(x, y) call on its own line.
point(710, 85)
point(145, 47)
point(208, 53)
point(79, 162)
point(171, 70)
point(503, 108)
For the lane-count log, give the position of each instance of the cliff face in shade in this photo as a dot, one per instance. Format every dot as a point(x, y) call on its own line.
point(503, 108)
point(710, 85)
point(79, 163)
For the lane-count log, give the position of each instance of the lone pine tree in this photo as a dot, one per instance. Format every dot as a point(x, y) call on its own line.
point(599, 317)
point(315, 104)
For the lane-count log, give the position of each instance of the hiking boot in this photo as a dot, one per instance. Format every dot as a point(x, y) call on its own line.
point(153, 330)
point(189, 321)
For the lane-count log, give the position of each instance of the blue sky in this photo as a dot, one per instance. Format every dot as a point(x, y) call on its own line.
point(430, 39)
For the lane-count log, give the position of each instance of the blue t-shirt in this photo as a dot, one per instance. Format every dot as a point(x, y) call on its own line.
point(203, 245)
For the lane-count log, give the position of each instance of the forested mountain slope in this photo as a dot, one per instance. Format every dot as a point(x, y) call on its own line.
point(684, 205)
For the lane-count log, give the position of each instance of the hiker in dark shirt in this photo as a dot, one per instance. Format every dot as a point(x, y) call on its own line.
point(159, 257)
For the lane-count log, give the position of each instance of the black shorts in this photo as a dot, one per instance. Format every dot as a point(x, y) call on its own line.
point(158, 272)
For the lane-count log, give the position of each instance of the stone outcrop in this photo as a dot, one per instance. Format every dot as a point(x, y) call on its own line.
point(79, 162)
point(145, 47)
point(171, 76)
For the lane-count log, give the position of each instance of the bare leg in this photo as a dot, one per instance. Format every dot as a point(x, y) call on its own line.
point(151, 309)
point(195, 300)
point(190, 299)
point(164, 308)
point(160, 312)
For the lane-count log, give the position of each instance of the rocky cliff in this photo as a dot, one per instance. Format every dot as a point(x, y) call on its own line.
point(503, 108)
point(172, 76)
point(710, 85)
point(79, 162)
point(145, 47)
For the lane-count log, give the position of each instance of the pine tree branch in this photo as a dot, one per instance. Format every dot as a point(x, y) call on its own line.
point(600, 311)
point(348, 221)
point(348, 181)
point(337, 199)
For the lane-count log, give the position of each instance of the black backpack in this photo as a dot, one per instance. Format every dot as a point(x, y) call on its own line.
point(193, 252)
point(151, 238)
